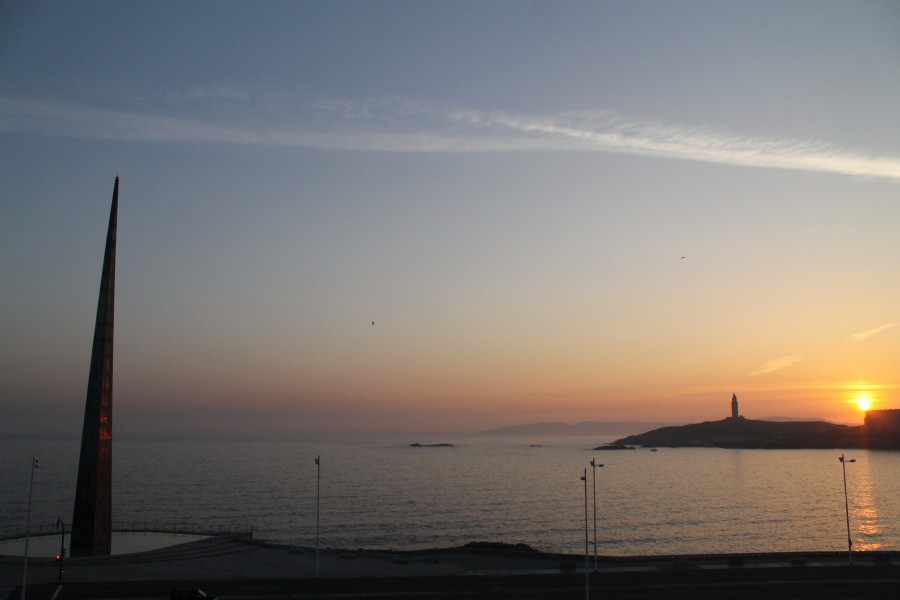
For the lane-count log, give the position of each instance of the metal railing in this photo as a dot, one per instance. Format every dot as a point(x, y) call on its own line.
point(135, 527)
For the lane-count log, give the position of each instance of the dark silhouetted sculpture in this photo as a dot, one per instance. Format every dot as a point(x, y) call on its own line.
point(92, 520)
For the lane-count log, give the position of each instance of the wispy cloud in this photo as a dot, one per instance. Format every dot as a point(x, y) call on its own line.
point(402, 125)
point(762, 386)
point(776, 365)
point(864, 335)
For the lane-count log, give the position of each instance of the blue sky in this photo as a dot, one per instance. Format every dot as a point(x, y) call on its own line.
point(507, 189)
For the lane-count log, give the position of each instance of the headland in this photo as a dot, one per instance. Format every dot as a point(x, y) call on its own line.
point(880, 432)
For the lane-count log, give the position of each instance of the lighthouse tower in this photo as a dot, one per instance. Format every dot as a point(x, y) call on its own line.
point(734, 407)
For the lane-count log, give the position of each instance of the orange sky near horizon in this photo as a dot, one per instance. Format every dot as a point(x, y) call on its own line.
point(415, 375)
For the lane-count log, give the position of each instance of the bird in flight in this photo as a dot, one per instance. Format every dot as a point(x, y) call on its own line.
point(373, 323)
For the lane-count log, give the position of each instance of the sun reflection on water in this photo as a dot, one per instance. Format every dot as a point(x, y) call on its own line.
point(865, 524)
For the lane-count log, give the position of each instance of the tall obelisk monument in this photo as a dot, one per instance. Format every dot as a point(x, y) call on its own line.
point(92, 520)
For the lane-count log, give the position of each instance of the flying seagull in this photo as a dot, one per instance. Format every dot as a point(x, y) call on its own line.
point(373, 323)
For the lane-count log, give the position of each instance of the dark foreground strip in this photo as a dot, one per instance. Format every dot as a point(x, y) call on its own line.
point(831, 583)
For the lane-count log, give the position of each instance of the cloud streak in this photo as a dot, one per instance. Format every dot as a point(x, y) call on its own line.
point(864, 335)
point(776, 365)
point(399, 125)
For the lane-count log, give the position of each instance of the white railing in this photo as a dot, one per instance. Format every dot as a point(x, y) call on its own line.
point(171, 527)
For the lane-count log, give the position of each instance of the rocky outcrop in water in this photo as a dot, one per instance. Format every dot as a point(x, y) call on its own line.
point(417, 445)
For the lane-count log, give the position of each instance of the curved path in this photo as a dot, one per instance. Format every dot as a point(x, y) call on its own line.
point(247, 569)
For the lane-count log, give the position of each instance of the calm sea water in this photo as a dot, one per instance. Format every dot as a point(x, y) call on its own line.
point(381, 493)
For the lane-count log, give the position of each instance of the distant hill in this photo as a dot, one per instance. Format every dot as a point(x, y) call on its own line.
point(586, 428)
point(783, 419)
point(748, 433)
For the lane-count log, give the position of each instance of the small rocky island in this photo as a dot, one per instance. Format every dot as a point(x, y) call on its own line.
point(880, 431)
point(417, 445)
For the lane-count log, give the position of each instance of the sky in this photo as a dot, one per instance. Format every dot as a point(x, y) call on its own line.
point(449, 216)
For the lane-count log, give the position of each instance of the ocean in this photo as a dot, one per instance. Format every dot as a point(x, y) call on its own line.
point(377, 492)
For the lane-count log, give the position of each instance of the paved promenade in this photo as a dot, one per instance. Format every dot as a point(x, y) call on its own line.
point(247, 569)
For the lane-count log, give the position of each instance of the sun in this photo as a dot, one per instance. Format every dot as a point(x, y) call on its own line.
point(864, 403)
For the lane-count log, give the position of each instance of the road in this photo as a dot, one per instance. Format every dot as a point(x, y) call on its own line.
point(777, 583)
point(244, 569)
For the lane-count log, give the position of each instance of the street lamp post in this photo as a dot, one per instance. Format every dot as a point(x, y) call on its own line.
point(318, 496)
point(587, 581)
point(62, 546)
point(594, 465)
point(34, 466)
point(844, 462)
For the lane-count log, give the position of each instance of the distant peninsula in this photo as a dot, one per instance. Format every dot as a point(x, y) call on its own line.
point(880, 431)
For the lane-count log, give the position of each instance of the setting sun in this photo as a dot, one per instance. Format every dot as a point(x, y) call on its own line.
point(864, 403)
